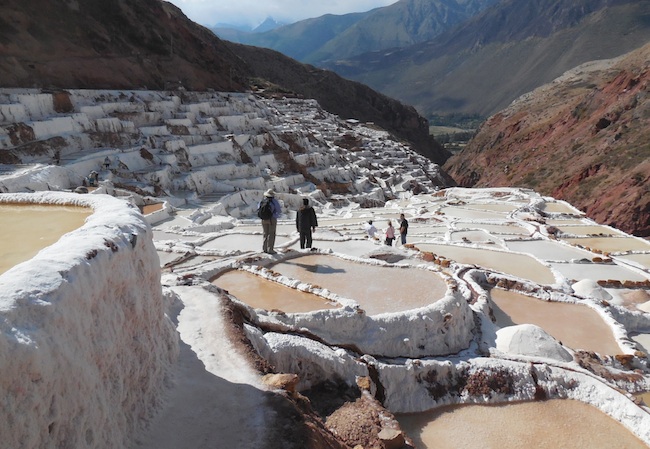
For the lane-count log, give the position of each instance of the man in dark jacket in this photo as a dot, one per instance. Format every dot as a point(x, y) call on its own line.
point(306, 223)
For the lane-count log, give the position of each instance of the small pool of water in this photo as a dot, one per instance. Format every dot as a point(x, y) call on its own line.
point(611, 244)
point(645, 397)
point(518, 265)
point(377, 289)
point(643, 340)
point(589, 230)
point(497, 207)
point(261, 293)
point(495, 228)
point(549, 424)
point(595, 271)
point(549, 250)
point(28, 228)
point(576, 326)
point(149, 208)
point(479, 237)
point(640, 259)
point(560, 208)
point(460, 212)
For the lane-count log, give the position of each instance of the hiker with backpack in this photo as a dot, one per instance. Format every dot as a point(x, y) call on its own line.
point(269, 211)
point(306, 223)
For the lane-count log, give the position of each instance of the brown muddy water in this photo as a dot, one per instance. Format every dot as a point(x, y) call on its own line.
point(576, 326)
point(377, 289)
point(518, 265)
point(261, 293)
point(28, 228)
point(552, 424)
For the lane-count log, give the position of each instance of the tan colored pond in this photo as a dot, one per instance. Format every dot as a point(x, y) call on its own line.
point(549, 250)
point(549, 424)
point(150, 208)
point(497, 207)
point(480, 237)
point(560, 208)
point(28, 228)
point(240, 242)
point(518, 265)
point(264, 294)
point(611, 244)
point(645, 397)
point(576, 326)
point(588, 230)
point(643, 340)
point(377, 289)
point(641, 259)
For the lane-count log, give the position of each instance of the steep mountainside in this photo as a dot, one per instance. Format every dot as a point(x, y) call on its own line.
point(583, 138)
point(509, 49)
point(333, 37)
point(115, 44)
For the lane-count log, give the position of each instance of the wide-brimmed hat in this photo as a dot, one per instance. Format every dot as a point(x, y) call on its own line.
point(269, 193)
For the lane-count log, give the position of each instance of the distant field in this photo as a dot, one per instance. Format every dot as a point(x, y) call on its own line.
point(440, 130)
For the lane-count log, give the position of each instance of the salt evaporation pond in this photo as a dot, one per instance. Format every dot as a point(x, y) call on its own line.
point(548, 250)
point(596, 271)
point(560, 208)
point(28, 228)
point(512, 229)
point(643, 340)
point(240, 242)
point(458, 212)
point(549, 424)
point(496, 207)
point(611, 244)
point(261, 293)
point(641, 259)
point(557, 319)
point(588, 230)
point(377, 289)
point(518, 265)
point(480, 237)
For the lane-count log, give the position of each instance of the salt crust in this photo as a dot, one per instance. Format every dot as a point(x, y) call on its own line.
point(86, 345)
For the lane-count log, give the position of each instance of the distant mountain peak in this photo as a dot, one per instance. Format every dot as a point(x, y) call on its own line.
point(269, 24)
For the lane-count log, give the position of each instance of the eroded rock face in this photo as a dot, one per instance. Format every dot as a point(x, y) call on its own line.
point(582, 139)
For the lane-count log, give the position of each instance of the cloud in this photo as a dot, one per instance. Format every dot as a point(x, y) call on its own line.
point(253, 12)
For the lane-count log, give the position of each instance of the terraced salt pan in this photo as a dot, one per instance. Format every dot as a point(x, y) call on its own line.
point(494, 228)
point(564, 222)
point(261, 293)
point(611, 244)
point(560, 208)
point(459, 212)
point(497, 207)
point(26, 229)
point(543, 425)
point(588, 230)
point(557, 319)
point(480, 237)
point(645, 397)
point(548, 250)
point(165, 235)
point(519, 265)
point(377, 289)
point(596, 271)
point(641, 259)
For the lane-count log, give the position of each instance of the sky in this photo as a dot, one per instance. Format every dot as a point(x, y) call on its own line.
point(254, 12)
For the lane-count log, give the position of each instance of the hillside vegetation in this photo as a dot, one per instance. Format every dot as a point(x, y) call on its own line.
point(583, 138)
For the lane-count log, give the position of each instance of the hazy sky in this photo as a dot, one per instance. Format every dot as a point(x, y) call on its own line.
point(253, 12)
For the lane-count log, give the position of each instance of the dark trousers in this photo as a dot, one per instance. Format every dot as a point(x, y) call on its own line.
point(305, 239)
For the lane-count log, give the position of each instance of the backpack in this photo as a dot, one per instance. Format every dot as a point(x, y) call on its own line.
point(265, 211)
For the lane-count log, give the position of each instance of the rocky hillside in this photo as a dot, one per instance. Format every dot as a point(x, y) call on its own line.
point(583, 138)
point(511, 48)
point(150, 44)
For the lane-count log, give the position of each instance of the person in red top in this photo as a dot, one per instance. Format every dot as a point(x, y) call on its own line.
point(390, 234)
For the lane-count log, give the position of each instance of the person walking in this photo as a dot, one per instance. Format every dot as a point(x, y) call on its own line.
point(390, 234)
point(306, 223)
point(403, 228)
point(269, 210)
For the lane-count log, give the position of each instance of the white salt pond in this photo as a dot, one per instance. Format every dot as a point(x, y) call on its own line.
point(508, 229)
point(28, 228)
point(240, 243)
point(557, 319)
point(480, 237)
point(560, 208)
point(459, 212)
point(643, 340)
point(377, 289)
point(552, 424)
point(589, 230)
point(577, 271)
point(261, 293)
point(549, 250)
point(519, 265)
point(640, 259)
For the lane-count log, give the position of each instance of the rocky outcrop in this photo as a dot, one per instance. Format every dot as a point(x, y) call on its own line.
point(583, 138)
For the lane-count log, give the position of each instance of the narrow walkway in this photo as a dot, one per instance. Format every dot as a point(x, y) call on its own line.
point(217, 399)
